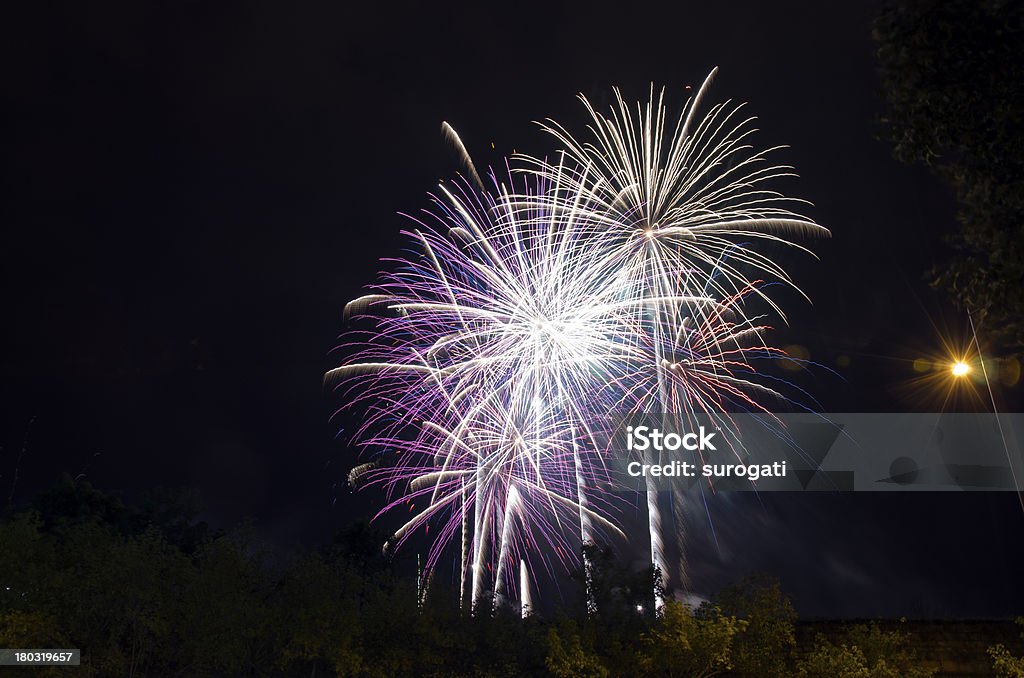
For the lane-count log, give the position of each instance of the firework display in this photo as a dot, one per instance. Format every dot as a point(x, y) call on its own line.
point(538, 300)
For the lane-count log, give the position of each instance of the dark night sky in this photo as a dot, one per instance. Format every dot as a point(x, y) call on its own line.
point(192, 191)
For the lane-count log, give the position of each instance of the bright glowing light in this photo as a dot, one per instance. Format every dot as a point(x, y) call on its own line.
point(485, 363)
point(685, 208)
point(960, 369)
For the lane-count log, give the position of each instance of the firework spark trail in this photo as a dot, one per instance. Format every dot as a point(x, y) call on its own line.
point(612, 281)
point(498, 339)
point(679, 210)
point(525, 597)
point(511, 504)
point(678, 204)
point(586, 531)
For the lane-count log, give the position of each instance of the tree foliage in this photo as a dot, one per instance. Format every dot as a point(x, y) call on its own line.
point(683, 643)
point(951, 72)
point(152, 592)
point(766, 643)
point(866, 651)
point(568, 657)
point(1005, 663)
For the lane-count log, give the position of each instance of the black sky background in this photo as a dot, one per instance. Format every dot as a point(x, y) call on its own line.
point(192, 191)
